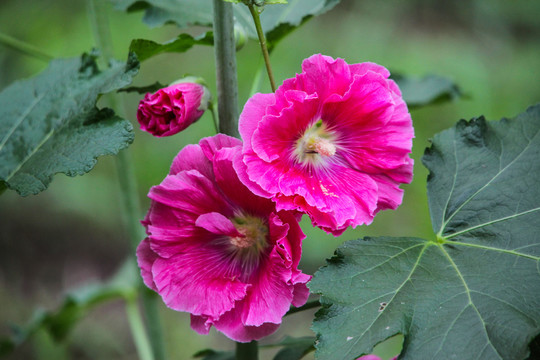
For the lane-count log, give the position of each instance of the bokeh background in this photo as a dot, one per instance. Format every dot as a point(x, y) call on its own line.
point(72, 234)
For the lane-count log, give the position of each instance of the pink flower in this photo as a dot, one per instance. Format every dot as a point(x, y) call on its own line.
point(332, 142)
point(218, 251)
point(172, 109)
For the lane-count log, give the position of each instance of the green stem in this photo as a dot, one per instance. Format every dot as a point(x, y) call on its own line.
point(137, 329)
point(214, 117)
point(97, 11)
point(24, 48)
point(226, 78)
point(306, 306)
point(262, 41)
point(247, 351)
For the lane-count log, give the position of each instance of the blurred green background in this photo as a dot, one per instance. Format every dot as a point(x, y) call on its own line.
point(72, 234)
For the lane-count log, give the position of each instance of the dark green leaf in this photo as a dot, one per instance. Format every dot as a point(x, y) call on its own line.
point(431, 89)
point(145, 49)
point(534, 347)
point(472, 291)
point(144, 89)
point(76, 305)
point(209, 354)
point(277, 20)
point(50, 124)
point(295, 348)
point(180, 12)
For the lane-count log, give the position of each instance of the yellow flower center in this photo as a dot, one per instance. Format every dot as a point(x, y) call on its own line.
point(315, 144)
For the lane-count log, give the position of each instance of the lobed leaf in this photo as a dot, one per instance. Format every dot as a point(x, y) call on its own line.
point(50, 123)
point(431, 89)
point(471, 292)
point(277, 20)
point(145, 49)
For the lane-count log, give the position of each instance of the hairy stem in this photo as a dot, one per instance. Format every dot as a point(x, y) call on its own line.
point(247, 351)
point(24, 48)
point(226, 78)
point(262, 41)
point(97, 11)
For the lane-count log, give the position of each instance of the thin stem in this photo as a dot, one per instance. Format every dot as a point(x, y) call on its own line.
point(137, 329)
point(306, 306)
point(262, 41)
point(247, 351)
point(226, 78)
point(214, 117)
point(24, 48)
point(97, 11)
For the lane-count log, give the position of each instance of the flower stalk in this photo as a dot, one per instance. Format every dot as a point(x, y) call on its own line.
point(97, 12)
point(226, 77)
point(262, 41)
point(247, 351)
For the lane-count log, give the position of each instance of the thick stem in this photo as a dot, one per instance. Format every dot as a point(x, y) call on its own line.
point(24, 48)
point(262, 41)
point(247, 351)
point(226, 78)
point(97, 11)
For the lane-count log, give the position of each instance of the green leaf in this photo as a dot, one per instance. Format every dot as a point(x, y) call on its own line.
point(472, 291)
point(295, 348)
point(160, 12)
point(277, 21)
point(431, 89)
point(144, 89)
point(50, 123)
point(145, 49)
point(75, 306)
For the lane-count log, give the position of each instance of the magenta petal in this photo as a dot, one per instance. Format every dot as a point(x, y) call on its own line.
point(202, 280)
point(145, 259)
point(217, 224)
point(230, 325)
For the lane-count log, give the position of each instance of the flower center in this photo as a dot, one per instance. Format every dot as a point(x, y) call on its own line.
point(315, 144)
point(254, 233)
point(248, 248)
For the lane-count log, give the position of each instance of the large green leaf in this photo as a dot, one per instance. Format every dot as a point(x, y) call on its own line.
point(50, 123)
point(430, 89)
point(277, 20)
point(473, 290)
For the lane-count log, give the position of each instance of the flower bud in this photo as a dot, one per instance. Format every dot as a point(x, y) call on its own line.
point(240, 36)
point(172, 109)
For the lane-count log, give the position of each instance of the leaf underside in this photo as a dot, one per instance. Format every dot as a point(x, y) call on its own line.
point(50, 123)
point(471, 292)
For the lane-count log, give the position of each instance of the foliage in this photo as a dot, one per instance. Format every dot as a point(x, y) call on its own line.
point(75, 306)
point(51, 124)
point(277, 20)
point(475, 283)
point(430, 89)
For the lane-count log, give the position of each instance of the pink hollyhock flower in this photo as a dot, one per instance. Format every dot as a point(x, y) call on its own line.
point(172, 109)
point(218, 251)
point(332, 142)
